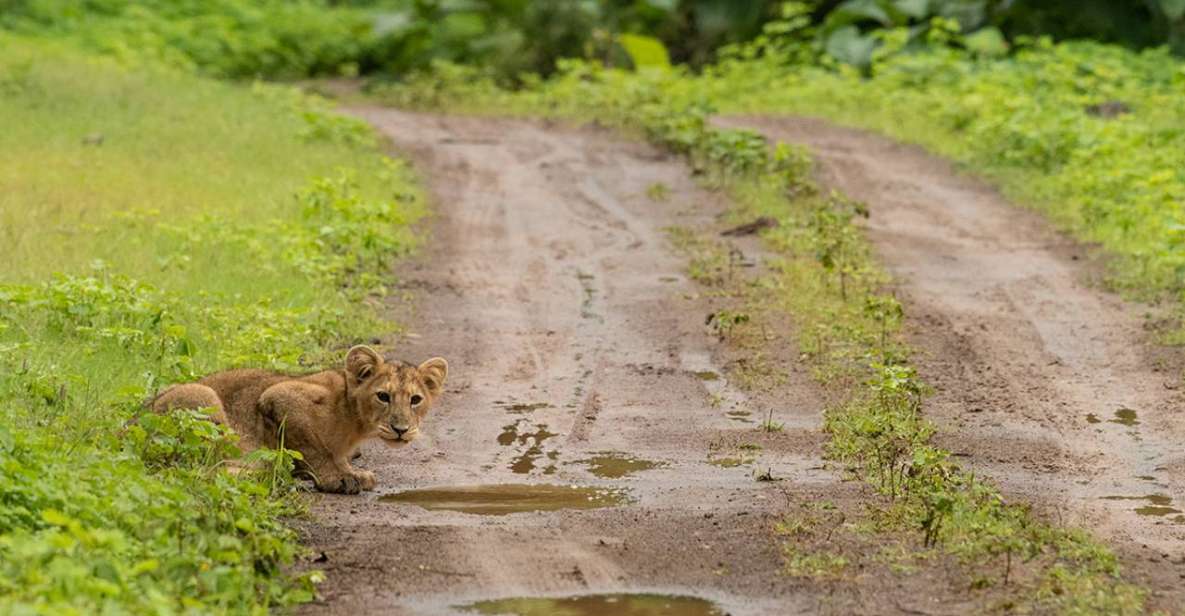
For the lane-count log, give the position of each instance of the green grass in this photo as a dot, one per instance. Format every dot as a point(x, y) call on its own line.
point(155, 226)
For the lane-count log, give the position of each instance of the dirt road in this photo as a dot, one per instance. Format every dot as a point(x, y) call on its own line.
point(580, 363)
point(577, 353)
point(1045, 383)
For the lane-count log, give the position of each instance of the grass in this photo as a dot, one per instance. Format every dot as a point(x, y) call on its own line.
point(155, 226)
point(826, 280)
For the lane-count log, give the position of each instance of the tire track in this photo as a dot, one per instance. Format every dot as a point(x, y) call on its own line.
point(1045, 383)
point(566, 320)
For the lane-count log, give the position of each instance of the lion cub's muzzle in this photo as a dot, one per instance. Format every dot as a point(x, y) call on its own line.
point(395, 436)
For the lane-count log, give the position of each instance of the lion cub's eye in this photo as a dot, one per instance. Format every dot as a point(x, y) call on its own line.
point(384, 397)
point(416, 399)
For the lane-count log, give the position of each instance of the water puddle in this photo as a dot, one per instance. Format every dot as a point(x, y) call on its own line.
point(615, 465)
point(1158, 504)
point(730, 461)
point(532, 437)
point(503, 499)
point(598, 605)
point(523, 408)
point(1125, 417)
point(720, 392)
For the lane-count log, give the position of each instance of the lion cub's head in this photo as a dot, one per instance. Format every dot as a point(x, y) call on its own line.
point(393, 397)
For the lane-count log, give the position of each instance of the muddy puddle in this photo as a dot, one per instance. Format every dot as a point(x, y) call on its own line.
point(1158, 505)
point(503, 499)
point(617, 465)
point(598, 605)
point(531, 437)
point(730, 461)
point(523, 408)
point(1125, 417)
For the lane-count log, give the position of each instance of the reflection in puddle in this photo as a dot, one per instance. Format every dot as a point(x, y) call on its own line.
point(598, 605)
point(741, 416)
point(518, 433)
point(729, 462)
point(615, 465)
point(503, 499)
point(1125, 417)
point(525, 407)
point(1158, 504)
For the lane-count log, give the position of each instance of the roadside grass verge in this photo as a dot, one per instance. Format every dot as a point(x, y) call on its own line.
point(155, 226)
point(826, 280)
point(1091, 135)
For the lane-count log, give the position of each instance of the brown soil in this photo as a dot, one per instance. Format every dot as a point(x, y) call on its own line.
point(1044, 382)
point(579, 357)
point(571, 330)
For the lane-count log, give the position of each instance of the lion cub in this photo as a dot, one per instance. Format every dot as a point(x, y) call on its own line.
point(325, 416)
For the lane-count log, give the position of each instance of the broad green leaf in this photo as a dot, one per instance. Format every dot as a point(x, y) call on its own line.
point(987, 42)
point(917, 9)
point(1173, 9)
point(849, 46)
point(664, 5)
point(645, 51)
point(855, 11)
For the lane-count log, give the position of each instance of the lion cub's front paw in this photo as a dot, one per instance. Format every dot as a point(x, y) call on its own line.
point(366, 479)
point(348, 483)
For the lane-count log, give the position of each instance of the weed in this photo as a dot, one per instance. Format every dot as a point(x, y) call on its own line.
point(769, 425)
point(658, 192)
point(815, 565)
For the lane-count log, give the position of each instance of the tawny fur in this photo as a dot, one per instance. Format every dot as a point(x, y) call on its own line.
point(325, 416)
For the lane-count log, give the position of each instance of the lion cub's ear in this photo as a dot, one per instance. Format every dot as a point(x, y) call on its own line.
point(361, 362)
point(434, 371)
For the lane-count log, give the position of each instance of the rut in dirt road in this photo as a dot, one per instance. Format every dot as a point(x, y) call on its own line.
point(1044, 383)
point(577, 357)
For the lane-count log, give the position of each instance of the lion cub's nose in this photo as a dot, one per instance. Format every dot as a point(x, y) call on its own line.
point(399, 432)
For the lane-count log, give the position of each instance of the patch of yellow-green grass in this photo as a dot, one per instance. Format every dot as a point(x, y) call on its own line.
point(103, 162)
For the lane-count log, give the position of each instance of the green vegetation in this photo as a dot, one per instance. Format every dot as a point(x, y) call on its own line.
point(224, 38)
point(293, 39)
point(1091, 135)
point(155, 226)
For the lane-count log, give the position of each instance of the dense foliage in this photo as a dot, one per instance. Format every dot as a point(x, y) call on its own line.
point(300, 38)
point(291, 39)
point(157, 226)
